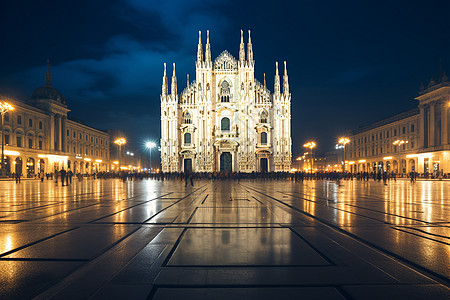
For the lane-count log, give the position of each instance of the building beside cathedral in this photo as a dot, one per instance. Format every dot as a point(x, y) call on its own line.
point(40, 137)
point(415, 140)
point(226, 120)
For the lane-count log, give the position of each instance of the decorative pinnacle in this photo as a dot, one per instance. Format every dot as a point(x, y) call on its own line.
point(249, 37)
point(165, 70)
point(199, 37)
point(285, 68)
point(207, 36)
point(187, 85)
point(174, 69)
point(48, 76)
point(276, 68)
point(242, 36)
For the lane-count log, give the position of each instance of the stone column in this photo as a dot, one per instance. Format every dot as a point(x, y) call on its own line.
point(63, 133)
point(444, 124)
point(431, 124)
point(60, 133)
point(52, 132)
point(421, 129)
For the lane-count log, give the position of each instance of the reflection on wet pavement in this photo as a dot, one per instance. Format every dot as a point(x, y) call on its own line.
point(106, 239)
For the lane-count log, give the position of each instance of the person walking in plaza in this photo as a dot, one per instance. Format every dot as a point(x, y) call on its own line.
point(63, 175)
point(69, 176)
point(17, 176)
point(56, 176)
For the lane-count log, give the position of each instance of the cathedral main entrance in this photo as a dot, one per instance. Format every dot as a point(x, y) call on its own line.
point(264, 165)
point(225, 162)
point(187, 165)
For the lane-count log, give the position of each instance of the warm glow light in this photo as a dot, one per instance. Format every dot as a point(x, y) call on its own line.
point(87, 159)
point(412, 155)
point(41, 155)
point(310, 145)
point(344, 141)
point(13, 153)
point(120, 141)
point(362, 161)
point(399, 142)
point(116, 162)
point(387, 157)
point(5, 107)
point(56, 156)
point(351, 162)
point(98, 160)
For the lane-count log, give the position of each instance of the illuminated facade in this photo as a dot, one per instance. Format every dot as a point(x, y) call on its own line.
point(39, 137)
point(226, 120)
point(414, 140)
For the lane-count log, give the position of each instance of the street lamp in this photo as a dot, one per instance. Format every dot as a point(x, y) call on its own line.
point(119, 142)
point(311, 145)
point(342, 142)
point(150, 145)
point(4, 108)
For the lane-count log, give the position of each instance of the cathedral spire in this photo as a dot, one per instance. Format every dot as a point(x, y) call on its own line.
point(285, 81)
point(173, 88)
point(242, 48)
point(249, 48)
point(165, 84)
point(199, 48)
point(208, 48)
point(264, 81)
point(276, 81)
point(187, 81)
point(48, 76)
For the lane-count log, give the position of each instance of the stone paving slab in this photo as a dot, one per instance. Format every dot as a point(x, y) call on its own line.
point(108, 239)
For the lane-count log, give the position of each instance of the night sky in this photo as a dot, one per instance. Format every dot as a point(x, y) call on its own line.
point(349, 62)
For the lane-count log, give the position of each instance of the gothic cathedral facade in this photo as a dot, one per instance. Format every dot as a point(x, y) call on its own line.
point(226, 120)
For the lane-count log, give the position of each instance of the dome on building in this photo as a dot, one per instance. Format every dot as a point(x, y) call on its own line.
point(47, 91)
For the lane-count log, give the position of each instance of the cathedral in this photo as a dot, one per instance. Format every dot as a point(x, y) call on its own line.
point(226, 120)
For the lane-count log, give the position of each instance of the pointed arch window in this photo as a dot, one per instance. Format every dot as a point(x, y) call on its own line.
point(263, 138)
point(225, 124)
point(187, 118)
point(263, 117)
point(225, 91)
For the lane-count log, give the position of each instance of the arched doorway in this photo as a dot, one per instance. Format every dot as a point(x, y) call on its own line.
point(187, 165)
point(18, 168)
point(403, 166)
point(75, 167)
point(41, 166)
point(30, 167)
point(412, 165)
point(395, 166)
point(226, 162)
point(264, 164)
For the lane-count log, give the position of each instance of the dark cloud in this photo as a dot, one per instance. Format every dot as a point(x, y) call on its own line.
point(349, 62)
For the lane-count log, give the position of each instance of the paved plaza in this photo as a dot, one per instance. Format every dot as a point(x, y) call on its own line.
point(149, 239)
